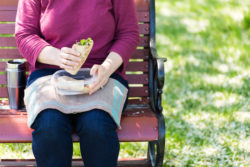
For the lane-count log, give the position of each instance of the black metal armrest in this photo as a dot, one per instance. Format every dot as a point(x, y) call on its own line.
point(157, 81)
point(161, 72)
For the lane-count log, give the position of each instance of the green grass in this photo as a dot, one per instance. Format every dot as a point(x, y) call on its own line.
point(207, 88)
point(206, 95)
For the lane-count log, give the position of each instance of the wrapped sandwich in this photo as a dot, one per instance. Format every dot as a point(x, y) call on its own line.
point(84, 47)
point(70, 84)
point(67, 84)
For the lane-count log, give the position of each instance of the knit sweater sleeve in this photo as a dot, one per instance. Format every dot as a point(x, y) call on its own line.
point(27, 30)
point(127, 31)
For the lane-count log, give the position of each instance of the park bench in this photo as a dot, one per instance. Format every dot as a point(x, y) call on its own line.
point(142, 120)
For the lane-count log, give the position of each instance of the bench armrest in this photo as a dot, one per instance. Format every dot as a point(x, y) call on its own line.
point(158, 78)
point(156, 67)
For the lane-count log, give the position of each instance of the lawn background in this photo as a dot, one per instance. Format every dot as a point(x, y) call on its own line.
point(206, 93)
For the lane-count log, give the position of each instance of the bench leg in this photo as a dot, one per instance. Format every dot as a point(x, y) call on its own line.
point(156, 148)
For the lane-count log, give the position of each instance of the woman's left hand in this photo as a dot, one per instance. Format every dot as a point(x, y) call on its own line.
point(102, 74)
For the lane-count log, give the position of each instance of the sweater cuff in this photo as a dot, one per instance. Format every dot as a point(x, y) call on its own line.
point(37, 52)
point(124, 52)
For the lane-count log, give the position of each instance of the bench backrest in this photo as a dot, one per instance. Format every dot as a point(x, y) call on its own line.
point(138, 67)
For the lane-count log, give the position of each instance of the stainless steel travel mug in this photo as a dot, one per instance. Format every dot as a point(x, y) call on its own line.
point(16, 81)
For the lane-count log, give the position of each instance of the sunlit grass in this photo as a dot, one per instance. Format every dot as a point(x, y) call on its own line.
point(206, 95)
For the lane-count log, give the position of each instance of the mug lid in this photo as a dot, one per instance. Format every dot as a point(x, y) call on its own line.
point(16, 64)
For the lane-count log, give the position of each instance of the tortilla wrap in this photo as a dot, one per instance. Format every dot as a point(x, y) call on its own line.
point(68, 83)
point(84, 52)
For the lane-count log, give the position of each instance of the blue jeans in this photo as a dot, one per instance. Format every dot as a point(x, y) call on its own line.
point(52, 136)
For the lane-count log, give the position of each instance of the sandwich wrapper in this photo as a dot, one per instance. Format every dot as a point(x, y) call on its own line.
point(77, 80)
point(68, 84)
point(84, 47)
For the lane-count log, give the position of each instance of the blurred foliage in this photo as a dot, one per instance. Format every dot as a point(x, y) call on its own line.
point(206, 94)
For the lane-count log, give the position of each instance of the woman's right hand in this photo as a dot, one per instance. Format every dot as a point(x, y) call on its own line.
point(68, 58)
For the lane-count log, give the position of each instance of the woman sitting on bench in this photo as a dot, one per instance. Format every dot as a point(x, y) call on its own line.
point(45, 32)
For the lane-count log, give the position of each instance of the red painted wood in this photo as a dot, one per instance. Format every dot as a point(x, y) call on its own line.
point(140, 100)
point(132, 66)
point(3, 92)
point(14, 128)
point(7, 15)
point(135, 127)
point(8, 2)
point(141, 54)
point(3, 79)
point(11, 42)
point(141, 5)
point(136, 66)
point(132, 79)
point(143, 16)
point(144, 28)
point(2, 66)
point(7, 28)
point(144, 41)
point(7, 42)
point(14, 54)
point(10, 15)
point(137, 79)
point(143, 100)
point(134, 92)
point(10, 28)
point(8, 8)
point(122, 162)
point(10, 54)
point(138, 92)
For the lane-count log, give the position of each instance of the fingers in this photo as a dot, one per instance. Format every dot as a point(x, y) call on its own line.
point(93, 70)
point(97, 86)
point(102, 78)
point(69, 58)
point(70, 51)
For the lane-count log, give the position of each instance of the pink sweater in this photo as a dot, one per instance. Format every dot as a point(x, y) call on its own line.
point(112, 24)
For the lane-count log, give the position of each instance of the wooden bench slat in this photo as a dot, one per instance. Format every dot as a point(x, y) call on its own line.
point(8, 2)
point(137, 79)
point(137, 101)
point(131, 101)
point(2, 66)
point(144, 41)
point(132, 79)
point(137, 66)
point(10, 16)
point(122, 162)
point(132, 66)
point(3, 79)
point(14, 54)
point(7, 28)
point(10, 28)
point(7, 42)
point(141, 54)
point(10, 54)
point(142, 100)
point(141, 5)
point(135, 127)
point(7, 15)
point(134, 92)
point(11, 42)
